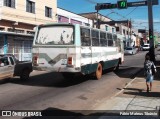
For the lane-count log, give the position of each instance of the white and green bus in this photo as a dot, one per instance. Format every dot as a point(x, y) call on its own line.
point(72, 49)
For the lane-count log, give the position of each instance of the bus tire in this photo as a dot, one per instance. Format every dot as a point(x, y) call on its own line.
point(117, 67)
point(98, 73)
point(25, 74)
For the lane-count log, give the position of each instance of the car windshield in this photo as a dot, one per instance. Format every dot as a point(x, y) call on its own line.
point(128, 48)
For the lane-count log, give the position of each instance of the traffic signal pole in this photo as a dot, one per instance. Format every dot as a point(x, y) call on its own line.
point(123, 4)
point(151, 33)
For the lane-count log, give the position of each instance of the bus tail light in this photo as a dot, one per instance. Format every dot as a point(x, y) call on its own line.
point(35, 60)
point(69, 60)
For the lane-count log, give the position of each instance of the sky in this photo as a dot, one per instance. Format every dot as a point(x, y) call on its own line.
point(138, 15)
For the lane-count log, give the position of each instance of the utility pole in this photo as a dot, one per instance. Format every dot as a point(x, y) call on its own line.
point(130, 24)
point(151, 33)
point(128, 33)
point(97, 25)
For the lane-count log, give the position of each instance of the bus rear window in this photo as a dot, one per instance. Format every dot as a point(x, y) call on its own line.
point(55, 35)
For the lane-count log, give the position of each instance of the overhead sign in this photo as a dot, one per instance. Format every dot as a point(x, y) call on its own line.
point(123, 4)
point(134, 4)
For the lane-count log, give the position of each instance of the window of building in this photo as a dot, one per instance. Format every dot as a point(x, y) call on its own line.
point(113, 30)
point(107, 28)
point(30, 6)
point(124, 32)
point(48, 12)
point(117, 29)
point(95, 38)
point(9, 3)
point(73, 21)
point(85, 37)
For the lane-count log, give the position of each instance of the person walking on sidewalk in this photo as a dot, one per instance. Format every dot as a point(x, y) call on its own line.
point(149, 71)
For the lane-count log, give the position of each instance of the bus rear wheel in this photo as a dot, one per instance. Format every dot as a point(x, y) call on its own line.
point(98, 73)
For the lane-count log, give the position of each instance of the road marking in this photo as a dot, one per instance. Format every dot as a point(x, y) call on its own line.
point(124, 87)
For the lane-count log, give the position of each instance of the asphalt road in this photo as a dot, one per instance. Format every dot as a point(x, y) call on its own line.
point(51, 91)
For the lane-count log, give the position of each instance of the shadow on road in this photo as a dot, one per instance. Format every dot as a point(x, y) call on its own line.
point(141, 93)
point(128, 72)
point(50, 80)
point(54, 113)
point(54, 79)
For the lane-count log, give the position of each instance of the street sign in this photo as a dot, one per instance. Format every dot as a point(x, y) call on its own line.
point(141, 3)
point(134, 4)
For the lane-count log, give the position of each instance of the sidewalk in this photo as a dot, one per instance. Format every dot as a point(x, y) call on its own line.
point(134, 96)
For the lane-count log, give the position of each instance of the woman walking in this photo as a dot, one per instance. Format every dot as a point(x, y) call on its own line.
point(149, 70)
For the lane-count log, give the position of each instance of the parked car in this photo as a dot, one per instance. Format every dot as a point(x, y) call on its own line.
point(130, 50)
point(10, 67)
point(146, 47)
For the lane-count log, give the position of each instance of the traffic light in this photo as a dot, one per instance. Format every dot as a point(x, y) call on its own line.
point(122, 4)
point(105, 6)
point(150, 34)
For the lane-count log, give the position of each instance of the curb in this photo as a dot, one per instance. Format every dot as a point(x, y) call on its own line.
point(129, 83)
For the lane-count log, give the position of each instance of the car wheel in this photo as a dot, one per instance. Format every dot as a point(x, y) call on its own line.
point(25, 74)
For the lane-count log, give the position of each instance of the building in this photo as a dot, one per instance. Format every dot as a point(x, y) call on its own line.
point(17, 21)
point(95, 17)
point(65, 16)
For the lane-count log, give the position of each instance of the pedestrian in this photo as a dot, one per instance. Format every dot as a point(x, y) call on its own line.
point(149, 71)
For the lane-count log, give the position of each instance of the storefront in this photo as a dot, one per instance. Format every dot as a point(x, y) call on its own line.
point(18, 45)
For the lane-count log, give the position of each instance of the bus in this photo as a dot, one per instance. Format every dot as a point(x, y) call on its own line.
point(72, 49)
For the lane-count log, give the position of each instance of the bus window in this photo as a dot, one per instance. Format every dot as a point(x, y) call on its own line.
point(55, 35)
point(85, 37)
point(95, 38)
point(110, 39)
point(103, 39)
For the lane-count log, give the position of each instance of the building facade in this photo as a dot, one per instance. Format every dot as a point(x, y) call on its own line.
point(95, 17)
point(17, 21)
point(64, 16)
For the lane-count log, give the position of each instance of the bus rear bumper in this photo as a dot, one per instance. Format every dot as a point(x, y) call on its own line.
point(58, 69)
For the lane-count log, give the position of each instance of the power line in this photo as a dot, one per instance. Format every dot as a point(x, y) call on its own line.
point(131, 11)
point(91, 1)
